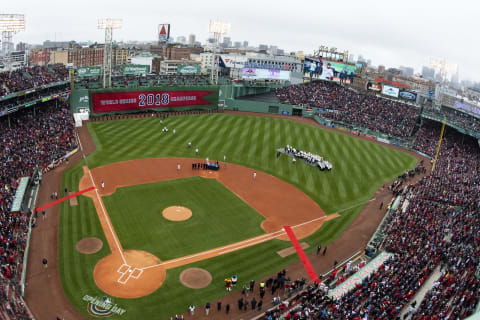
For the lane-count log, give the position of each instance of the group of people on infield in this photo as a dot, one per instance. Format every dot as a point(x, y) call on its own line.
point(310, 158)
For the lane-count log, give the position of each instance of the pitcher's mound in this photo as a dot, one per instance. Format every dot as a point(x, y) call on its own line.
point(177, 213)
point(195, 278)
point(89, 245)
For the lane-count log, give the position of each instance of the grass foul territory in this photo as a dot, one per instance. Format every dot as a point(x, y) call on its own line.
point(303, 257)
point(73, 195)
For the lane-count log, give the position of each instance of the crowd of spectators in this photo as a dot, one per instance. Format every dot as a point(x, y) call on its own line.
point(151, 80)
point(461, 119)
point(29, 140)
point(342, 104)
point(439, 230)
point(31, 77)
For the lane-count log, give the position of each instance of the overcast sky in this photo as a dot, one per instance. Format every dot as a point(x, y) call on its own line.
point(392, 33)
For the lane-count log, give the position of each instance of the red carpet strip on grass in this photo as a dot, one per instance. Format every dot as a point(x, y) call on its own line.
point(64, 198)
point(303, 257)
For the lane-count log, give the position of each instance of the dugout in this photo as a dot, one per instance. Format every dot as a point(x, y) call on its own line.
point(297, 112)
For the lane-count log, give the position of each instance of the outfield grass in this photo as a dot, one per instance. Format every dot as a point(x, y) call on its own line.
point(136, 215)
point(360, 168)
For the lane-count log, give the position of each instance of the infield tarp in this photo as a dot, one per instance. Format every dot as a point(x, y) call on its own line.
point(19, 194)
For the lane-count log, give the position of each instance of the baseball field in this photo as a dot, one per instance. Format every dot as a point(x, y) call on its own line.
point(221, 223)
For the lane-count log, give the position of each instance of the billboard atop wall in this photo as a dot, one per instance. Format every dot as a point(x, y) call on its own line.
point(390, 91)
point(373, 86)
point(265, 74)
point(163, 32)
point(135, 69)
point(233, 61)
point(95, 71)
point(188, 69)
point(408, 95)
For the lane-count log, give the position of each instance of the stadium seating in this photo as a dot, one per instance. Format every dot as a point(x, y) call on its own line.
point(144, 81)
point(31, 77)
point(439, 230)
point(29, 141)
point(386, 116)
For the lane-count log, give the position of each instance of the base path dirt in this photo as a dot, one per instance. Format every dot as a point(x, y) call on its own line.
point(177, 213)
point(195, 278)
point(89, 245)
point(44, 243)
point(125, 275)
point(273, 198)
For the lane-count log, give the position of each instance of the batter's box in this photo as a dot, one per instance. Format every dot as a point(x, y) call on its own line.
point(123, 268)
point(124, 278)
point(136, 273)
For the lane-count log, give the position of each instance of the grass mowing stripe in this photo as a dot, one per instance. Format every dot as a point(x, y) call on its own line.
point(248, 141)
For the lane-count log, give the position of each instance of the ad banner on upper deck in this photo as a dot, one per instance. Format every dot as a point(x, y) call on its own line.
point(137, 100)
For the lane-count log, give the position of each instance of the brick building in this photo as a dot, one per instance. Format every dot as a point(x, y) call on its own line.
point(38, 57)
point(86, 57)
point(175, 52)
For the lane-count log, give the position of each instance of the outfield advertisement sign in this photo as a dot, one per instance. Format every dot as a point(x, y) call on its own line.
point(189, 69)
point(467, 107)
point(89, 71)
point(137, 100)
point(265, 74)
point(390, 91)
point(135, 69)
point(358, 277)
point(233, 61)
point(408, 95)
point(339, 66)
point(373, 86)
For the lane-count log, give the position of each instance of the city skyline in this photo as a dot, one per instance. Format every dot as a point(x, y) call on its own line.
point(407, 35)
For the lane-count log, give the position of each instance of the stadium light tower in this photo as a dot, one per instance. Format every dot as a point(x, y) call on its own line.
point(218, 29)
point(108, 25)
point(10, 24)
point(444, 68)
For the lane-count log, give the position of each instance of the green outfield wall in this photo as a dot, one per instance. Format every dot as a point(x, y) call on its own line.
point(121, 100)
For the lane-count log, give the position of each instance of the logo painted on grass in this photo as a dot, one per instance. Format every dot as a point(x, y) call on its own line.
point(102, 306)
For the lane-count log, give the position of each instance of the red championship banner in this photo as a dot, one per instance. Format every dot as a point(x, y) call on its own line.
point(137, 100)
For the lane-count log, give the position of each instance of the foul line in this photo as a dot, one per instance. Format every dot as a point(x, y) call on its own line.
point(63, 199)
point(238, 245)
point(357, 205)
point(107, 219)
point(301, 254)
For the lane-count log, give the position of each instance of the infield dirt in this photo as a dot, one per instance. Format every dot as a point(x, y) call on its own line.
point(44, 292)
